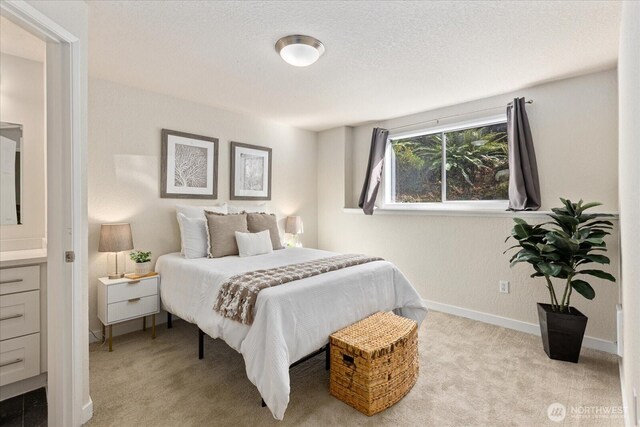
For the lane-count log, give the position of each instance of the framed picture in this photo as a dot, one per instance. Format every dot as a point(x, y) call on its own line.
point(189, 166)
point(250, 172)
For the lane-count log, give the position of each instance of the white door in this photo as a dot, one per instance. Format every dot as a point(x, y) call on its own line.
point(59, 239)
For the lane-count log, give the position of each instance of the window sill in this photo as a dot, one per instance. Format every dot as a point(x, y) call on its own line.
point(466, 211)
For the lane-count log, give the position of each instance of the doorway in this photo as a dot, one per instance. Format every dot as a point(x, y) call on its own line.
point(68, 398)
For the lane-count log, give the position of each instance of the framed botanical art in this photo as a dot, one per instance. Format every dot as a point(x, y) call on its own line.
point(250, 172)
point(189, 166)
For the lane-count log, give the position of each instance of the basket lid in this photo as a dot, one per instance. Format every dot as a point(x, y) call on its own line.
point(378, 331)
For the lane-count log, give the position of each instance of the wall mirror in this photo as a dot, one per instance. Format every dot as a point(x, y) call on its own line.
point(10, 173)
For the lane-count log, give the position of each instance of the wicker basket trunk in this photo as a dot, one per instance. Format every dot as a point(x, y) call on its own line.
point(374, 362)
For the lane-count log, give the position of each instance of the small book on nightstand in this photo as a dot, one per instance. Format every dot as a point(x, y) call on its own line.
point(133, 276)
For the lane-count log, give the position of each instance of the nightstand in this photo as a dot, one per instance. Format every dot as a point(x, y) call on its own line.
point(125, 299)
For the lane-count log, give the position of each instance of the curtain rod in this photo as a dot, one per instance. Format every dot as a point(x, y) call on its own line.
point(453, 115)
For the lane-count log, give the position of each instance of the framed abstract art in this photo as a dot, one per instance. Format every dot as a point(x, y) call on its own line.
point(250, 172)
point(189, 166)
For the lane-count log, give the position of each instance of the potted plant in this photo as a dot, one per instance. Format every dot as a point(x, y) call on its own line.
point(561, 249)
point(142, 261)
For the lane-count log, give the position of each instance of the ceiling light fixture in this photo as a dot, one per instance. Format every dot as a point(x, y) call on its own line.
point(299, 51)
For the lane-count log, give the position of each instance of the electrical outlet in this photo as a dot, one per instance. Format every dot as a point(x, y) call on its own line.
point(503, 286)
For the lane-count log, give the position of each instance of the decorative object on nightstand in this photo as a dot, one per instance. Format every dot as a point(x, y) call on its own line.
point(142, 261)
point(294, 226)
point(115, 238)
point(125, 299)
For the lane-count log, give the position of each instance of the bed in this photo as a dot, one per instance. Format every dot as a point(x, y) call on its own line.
point(291, 320)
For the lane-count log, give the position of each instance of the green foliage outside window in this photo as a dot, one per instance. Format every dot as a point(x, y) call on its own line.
point(476, 165)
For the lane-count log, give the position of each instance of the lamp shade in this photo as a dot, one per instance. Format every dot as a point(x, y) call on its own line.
point(294, 225)
point(115, 238)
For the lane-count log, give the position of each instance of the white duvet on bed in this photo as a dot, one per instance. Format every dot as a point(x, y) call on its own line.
point(292, 320)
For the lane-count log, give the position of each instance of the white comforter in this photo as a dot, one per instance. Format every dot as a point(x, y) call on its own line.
point(292, 320)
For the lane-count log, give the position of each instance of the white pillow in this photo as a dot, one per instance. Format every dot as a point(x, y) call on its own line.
point(260, 207)
point(193, 236)
point(250, 244)
point(191, 211)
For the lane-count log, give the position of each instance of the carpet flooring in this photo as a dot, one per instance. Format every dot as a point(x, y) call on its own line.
point(471, 374)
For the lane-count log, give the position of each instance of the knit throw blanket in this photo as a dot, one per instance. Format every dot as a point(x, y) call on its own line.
point(238, 295)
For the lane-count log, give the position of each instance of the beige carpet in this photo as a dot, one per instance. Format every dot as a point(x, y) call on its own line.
point(471, 374)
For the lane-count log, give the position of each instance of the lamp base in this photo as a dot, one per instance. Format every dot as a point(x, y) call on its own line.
point(116, 276)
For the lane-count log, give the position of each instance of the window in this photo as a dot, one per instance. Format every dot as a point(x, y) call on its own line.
point(462, 165)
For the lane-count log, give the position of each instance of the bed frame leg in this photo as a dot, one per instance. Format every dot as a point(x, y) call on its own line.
point(327, 355)
point(200, 344)
point(263, 404)
point(169, 321)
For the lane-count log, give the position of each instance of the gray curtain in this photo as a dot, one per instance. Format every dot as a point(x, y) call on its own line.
point(374, 170)
point(524, 186)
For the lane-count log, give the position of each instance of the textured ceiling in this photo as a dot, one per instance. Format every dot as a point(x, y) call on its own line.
point(383, 59)
point(18, 42)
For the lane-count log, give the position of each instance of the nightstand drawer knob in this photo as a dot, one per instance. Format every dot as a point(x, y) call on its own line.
point(134, 300)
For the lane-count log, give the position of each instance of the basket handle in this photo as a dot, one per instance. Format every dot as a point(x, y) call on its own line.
point(347, 358)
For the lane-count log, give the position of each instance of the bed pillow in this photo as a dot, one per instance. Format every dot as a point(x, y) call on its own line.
point(260, 207)
point(193, 236)
point(221, 232)
point(191, 211)
point(250, 244)
point(257, 222)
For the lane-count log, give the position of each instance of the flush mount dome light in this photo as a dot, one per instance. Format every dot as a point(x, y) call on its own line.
point(299, 51)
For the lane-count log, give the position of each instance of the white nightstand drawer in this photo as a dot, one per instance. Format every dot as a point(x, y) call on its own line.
point(19, 279)
point(132, 289)
point(19, 358)
point(19, 314)
point(132, 308)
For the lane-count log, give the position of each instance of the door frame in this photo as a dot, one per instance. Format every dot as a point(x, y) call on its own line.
point(69, 403)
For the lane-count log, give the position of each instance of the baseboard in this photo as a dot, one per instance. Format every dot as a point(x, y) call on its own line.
point(129, 326)
point(518, 325)
point(625, 400)
point(87, 411)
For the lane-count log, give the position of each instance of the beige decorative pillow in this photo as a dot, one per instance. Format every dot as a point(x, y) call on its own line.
point(257, 222)
point(222, 232)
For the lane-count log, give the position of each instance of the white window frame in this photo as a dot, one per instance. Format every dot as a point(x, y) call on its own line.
point(446, 205)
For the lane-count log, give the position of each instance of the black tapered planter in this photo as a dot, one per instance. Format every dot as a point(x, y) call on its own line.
point(562, 333)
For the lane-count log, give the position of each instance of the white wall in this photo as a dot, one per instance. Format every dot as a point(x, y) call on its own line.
point(22, 100)
point(629, 77)
point(124, 168)
point(458, 260)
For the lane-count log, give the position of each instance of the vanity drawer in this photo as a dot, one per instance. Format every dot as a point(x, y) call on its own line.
point(19, 358)
point(19, 279)
point(132, 289)
point(132, 308)
point(19, 314)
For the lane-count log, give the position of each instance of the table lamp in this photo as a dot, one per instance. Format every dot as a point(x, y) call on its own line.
point(115, 238)
point(294, 226)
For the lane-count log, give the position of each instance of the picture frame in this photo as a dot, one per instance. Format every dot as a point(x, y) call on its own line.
point(189, 166)
point(250, 172)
